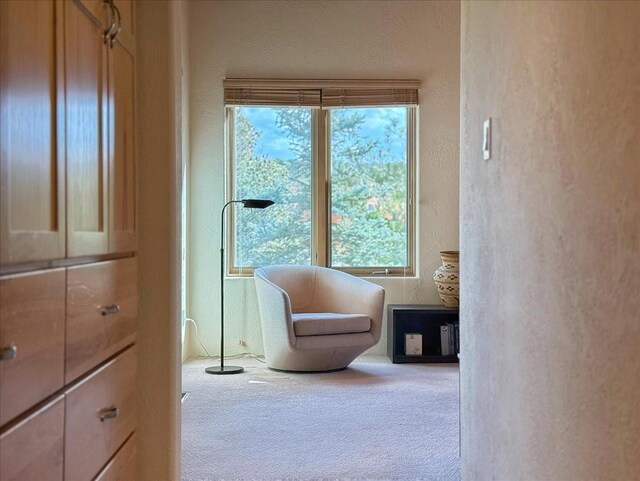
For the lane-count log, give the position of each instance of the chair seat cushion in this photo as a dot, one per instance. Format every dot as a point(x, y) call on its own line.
point(324, 323)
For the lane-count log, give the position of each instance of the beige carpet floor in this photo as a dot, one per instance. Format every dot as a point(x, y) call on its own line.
point(374, 421)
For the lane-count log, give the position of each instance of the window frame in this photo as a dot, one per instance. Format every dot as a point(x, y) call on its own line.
point(411, 149)
point(321, 198)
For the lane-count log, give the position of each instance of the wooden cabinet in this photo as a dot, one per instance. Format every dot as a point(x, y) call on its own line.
point(32, 168)
point(86, 106)
point(122, 205)
point(123, 465)
point(68, 220)
point(127, 11)
point(102, 309)
point(32, 311)
point(67, 136)
point(33, 448)
point(100, 416)
point(101, 197)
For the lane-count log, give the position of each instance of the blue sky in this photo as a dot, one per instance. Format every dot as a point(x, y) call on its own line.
point(273, 143)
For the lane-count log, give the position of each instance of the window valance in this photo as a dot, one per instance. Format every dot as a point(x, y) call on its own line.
point(324, 94)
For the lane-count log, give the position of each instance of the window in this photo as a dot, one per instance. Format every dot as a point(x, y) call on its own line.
point(272, 159)
point(338, 162)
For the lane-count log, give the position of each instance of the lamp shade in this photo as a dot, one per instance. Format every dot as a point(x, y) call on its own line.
point(256, 203)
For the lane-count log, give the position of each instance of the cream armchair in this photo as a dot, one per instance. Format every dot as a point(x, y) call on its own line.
point(315, 318)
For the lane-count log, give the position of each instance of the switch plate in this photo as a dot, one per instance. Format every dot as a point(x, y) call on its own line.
point(486, 139)
point(413, 344)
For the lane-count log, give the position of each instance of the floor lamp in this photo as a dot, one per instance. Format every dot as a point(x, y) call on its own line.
point(247, 204)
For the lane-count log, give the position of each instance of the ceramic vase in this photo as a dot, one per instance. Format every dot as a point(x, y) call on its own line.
point(447, 278)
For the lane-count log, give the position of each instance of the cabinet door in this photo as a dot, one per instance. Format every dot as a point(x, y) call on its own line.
point(86, 132)
point(32, 219)
point(101, 10)
point(127, 17)
point(122, 165)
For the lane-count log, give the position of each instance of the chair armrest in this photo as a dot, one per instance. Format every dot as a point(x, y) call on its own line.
point(275, 312)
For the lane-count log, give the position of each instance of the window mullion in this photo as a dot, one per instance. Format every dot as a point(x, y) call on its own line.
point(412, 168)
point(320, 195)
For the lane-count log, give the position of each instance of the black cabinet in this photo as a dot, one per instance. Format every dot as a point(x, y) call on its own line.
point(422, 333)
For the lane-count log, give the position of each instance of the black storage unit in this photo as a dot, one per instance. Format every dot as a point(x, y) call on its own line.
point(426, 321)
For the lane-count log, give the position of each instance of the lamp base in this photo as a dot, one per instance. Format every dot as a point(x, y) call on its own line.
point(224, 370)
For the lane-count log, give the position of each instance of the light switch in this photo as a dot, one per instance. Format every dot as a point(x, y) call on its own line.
point(486, 139)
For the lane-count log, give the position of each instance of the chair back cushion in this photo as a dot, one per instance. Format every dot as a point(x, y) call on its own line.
point(299, 282)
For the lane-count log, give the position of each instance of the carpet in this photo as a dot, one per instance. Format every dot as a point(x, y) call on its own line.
point(373, 421)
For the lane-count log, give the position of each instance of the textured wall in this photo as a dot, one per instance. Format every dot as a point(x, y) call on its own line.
point(158, 40)
point(550, 243)
point(319, 39)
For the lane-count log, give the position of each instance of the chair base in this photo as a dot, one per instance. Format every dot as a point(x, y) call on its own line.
point(307, 372)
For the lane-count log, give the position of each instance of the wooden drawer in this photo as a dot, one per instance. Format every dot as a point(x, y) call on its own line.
point(123, 465)
point(102, 310)
point(33, 449)
point(31, 339)
point(94, 430)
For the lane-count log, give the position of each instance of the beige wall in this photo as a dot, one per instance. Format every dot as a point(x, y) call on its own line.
point(550, 241)
point(160, 28)
point(319, 39)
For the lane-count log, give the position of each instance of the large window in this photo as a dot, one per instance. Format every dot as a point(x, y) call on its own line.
point(339, 164)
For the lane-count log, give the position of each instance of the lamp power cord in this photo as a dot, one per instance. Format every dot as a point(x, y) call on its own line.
point(209, 356)
point(195, 325)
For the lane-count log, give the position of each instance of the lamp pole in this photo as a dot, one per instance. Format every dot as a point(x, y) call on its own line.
point(249, 204)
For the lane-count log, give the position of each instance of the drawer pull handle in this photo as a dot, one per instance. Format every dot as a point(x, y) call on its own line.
point(9, 353)
point(110, 413)
point(112, 309)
